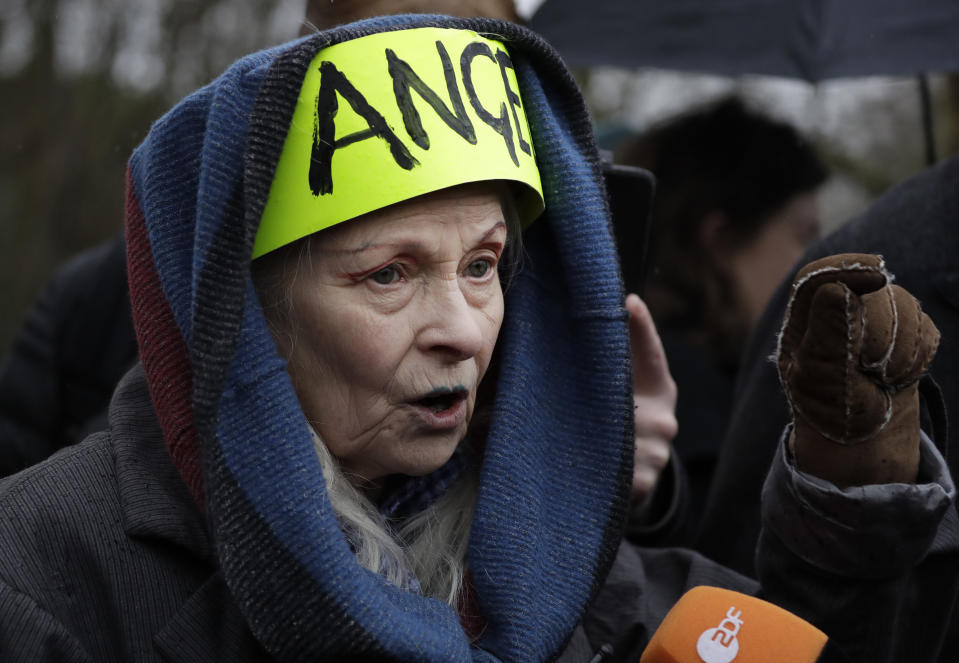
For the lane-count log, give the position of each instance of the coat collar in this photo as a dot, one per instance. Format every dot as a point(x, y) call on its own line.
point(154, 500)
point(209, 627)
point(158, 510)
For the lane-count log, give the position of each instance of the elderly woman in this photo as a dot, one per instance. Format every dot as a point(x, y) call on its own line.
point(370, 423)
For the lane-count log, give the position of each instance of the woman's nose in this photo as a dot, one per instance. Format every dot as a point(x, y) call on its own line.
point(452, 326)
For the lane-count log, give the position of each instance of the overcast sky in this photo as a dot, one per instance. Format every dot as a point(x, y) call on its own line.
point(527, 7)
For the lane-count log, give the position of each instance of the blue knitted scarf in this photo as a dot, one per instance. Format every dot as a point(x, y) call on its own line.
point(558, 456)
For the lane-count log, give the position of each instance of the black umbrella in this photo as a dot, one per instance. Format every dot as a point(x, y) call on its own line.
point(807, 39)
point(810, 40)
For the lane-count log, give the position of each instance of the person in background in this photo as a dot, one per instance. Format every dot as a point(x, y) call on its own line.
point(735, 206)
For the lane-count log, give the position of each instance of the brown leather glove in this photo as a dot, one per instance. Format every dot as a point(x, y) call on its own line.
point(852, 349)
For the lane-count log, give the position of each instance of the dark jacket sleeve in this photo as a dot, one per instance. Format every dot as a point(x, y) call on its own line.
point(642, 586)
point(875, 567)
point(75, 344)
point(665, 519)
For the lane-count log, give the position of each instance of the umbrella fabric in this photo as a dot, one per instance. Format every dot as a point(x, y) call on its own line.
point(807, 39)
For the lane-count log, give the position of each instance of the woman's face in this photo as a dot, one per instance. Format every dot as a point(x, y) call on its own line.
point(760, 265)
point(394, 320)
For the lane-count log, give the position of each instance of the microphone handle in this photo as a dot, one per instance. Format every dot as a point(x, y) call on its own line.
point(627, 648)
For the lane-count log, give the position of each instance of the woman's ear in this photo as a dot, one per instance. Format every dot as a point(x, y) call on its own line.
point(711, 234)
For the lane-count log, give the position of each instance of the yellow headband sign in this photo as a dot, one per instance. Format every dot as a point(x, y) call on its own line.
point(391, 116)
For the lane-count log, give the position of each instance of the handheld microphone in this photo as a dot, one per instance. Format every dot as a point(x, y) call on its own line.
point(713, 625)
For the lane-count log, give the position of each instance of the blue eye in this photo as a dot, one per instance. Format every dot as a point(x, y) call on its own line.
point(387, 275)
point(478, 268)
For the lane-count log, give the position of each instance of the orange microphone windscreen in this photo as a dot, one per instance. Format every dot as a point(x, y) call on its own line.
point(712, 625)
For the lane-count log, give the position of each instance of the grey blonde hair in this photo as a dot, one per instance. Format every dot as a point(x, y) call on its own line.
point(431, 545)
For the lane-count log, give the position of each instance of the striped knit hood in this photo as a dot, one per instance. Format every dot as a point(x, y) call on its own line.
point(557, 463)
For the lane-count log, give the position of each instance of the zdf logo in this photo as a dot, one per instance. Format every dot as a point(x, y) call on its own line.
point(719, 645)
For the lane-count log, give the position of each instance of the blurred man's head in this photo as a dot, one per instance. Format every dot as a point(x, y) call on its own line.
point(736, 205)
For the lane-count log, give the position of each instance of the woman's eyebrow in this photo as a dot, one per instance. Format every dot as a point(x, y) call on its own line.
point(496, 226)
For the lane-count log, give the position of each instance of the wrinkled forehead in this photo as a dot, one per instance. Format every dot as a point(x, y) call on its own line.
point(391, 117)
point(472, 211)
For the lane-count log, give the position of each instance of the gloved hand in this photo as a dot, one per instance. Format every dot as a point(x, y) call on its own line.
point(852, 349)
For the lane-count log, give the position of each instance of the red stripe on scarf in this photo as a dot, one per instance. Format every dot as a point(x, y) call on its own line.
point(163, 352)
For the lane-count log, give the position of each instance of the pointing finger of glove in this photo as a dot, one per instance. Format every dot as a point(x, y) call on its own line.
point(859, 272)
point(833, 329)
point(826, 386)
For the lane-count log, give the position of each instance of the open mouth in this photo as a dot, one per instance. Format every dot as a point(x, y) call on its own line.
point(442, 399)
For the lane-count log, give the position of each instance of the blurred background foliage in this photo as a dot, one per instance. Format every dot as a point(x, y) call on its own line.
point(81, 81)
